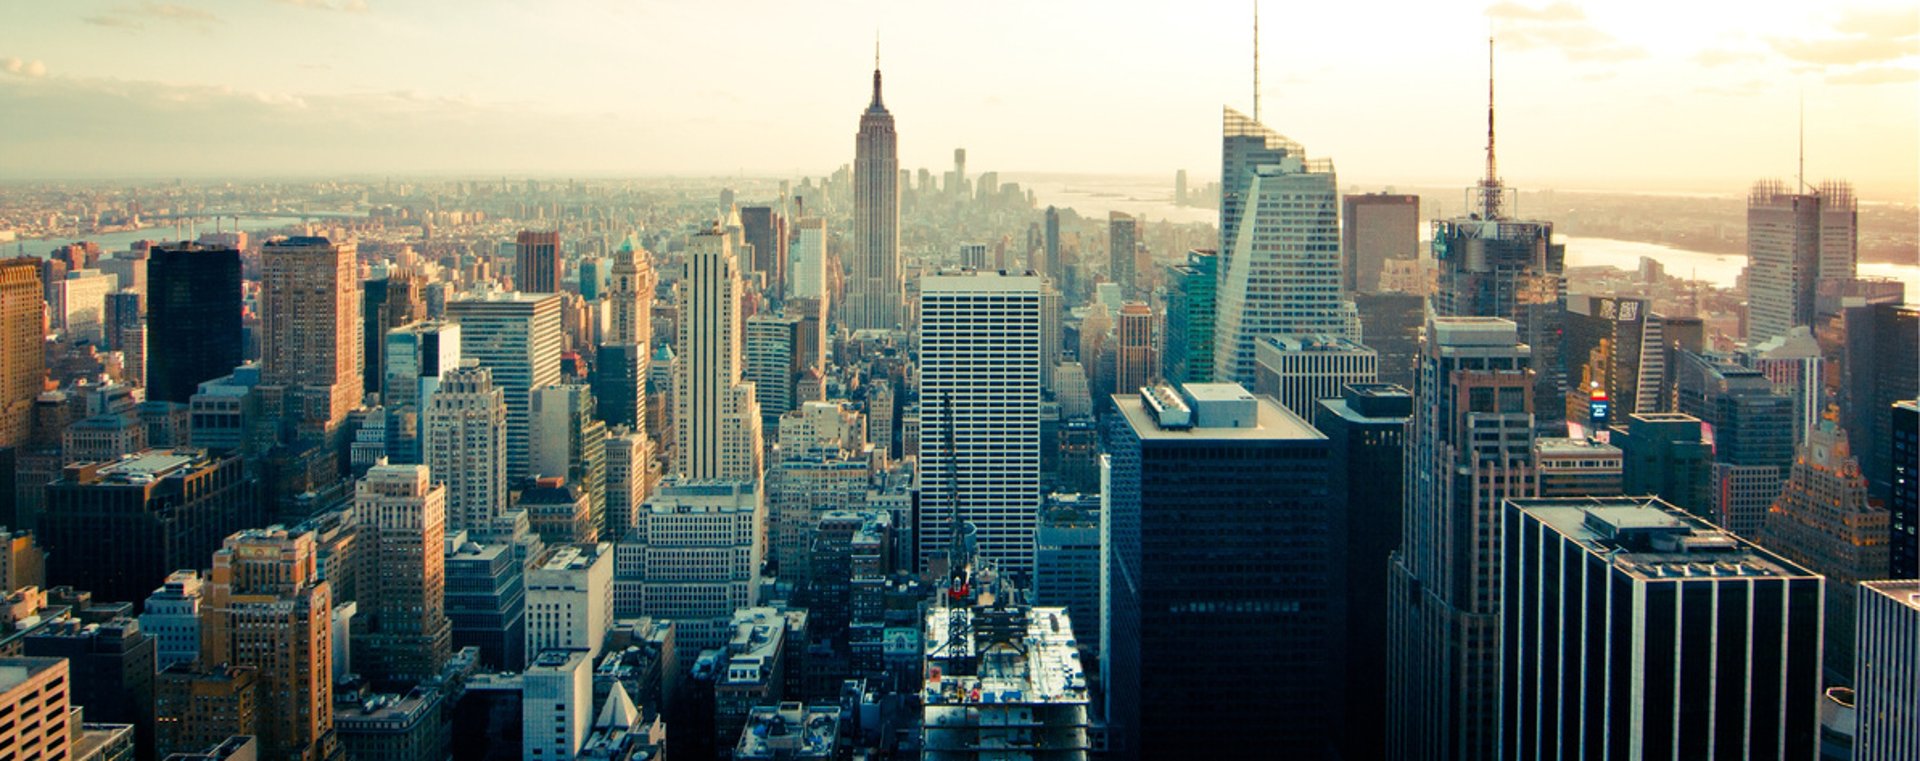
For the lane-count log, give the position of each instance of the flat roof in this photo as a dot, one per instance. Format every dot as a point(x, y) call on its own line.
point(1903, 591)
point(1275, 423)
point(1558, 445)
point(1650, 539)
point(1048, 671)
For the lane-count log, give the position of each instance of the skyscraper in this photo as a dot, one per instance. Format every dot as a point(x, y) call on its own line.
point(1190, 318)
point(516, 336)
point(463, 433)
point(1665, 454)
point(630, 288)
point(1823, 520)
point(1617, 345)
point(570, 440)
point(1299, 371)
point(773, 363)
point(387, 302)
point(193, 310)
point(1280, 270)
point(1469, 448)
point(1752, 427)
point(403, 622)
point(1882, 368)
point(766, 231)
point(536, 262)
point(1376, 228)
point(716, 418)
point(1056, 268)
point(1134, 363)
point(23, 367)
point(875, 292)
point(807, 275)
point(1795, 240)
point(1224, 601)
point(695, 556)
point(1887, 683)
point(980, 413)
point(1123, 239)
point(1635, 630)
point(309, 302)
point(1903, 499)
point(267, 608)
point(416, 355)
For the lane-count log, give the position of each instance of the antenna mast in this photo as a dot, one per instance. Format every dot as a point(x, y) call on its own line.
point(1800, 175)
point(1490, 190)
point(1256, 60)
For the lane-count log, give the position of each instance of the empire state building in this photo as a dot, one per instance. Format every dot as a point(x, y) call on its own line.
point(875, 292)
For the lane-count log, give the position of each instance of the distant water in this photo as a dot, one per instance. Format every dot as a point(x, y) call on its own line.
point(122, 241)
point(1719, 269)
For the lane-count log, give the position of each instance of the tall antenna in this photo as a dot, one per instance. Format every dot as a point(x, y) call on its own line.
point(1256, 60)
point(1800, 175)
point(1490, 191)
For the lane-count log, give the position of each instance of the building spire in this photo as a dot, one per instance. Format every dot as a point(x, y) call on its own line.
point(876, 72)
point(1800, 174)
point(1490, 190)
point(1256, 60)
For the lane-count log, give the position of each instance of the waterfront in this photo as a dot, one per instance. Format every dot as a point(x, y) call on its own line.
point(122, 241)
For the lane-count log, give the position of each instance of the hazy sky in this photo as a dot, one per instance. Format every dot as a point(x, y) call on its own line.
point(1625, 94)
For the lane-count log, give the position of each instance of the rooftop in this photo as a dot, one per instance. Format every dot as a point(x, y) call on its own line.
point(1903, 591)
point(569, 557)
point(16, 671)
point(1272, 422)
point(789, 730)
point(1036, 661)
point(1318, 342)
point(1569, 447)
point(1649, 539)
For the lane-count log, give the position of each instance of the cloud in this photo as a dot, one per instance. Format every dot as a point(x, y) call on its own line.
point(1859, 36)
point(1880, 22)
point(1720, 57)
point(350, 6)
point(1559, 26)
point(1875, 75)
point(18, 67)
point(137, 16)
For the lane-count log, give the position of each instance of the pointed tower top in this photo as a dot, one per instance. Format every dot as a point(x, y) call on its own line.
point(876, 104)
point(1490, 190)
point(1256, 60)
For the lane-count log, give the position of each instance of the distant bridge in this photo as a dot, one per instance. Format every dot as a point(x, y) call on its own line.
point(288, 213)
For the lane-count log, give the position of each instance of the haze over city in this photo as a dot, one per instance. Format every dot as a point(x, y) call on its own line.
point(1644, 95)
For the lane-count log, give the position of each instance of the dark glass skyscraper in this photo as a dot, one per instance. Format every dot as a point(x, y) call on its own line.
point(193, 314)
point(1225, 595)
point(1903, 501)
point(1190, 317)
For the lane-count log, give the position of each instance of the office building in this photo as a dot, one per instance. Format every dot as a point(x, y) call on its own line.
point(1903, 501)
point(1280, 243)
point(1066, 563)
point(1882, 367)
point(619, 384)
point(790, 731)
point(391, 299)
point(1376, 228)
point(1617, 346)
point(517, 337)
point(1135, 362)
point(486, 601)
point(195, 708)
point(1752, 425)
point(973, 256)
point(159, 511)
point(309, 342)
point(39, 709)
point(1794, 362)
point(1795, 240)
point(558, 510)
point(1580, 467)
point(807, 274)
point(1123, 240)
point(980, 413)
point(1392, 322)
point(193, 309)
point(556, 704)
point(1299, 371)
point(1635, 630)
point(268, 609)
point(171, 616)
point(1190, 315)
point(1824, 521)
point(110, 666)
point(570, 599)
point(752, 668)
point(773, 363)
point(1887, 679)
point(1001, 676)
point(803, 487)
point(79, 305)
point(876, 294)
point(629, 458)
point(1470, 448)
point(1056, 265)
point(1366, 428)
point(416, 354)
point(1176, 456)
point(405, 726)
point(536, 261)
point(765, 230)
point(1667, 455)
point(463, 431)
point(695, 557)
point(629, 300)
point(570, 441)
point(716, 418)
point(402, 629)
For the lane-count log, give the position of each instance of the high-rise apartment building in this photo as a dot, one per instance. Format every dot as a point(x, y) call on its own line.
point(403, 632)
point(1795, 240)
point(1123, 240)
point(1177, 458)
point(765, 230)
point(1469, 448)
point(193, 310)
point(980, 413)
point(517, 337)
point(1135, 361)
point(876, 294)
point(268, 609)
point(1635, 630)
point(1824, 521)
point(158, 511)
point(1190, 315)
point(23, 367)
point(1366, 427)
point(463, 433)
point(536, 261)
point(1299, 371)
point(1280, 269)
point(1887, 678)
point(1377, 228)
point(717, 432)
point(309, 339)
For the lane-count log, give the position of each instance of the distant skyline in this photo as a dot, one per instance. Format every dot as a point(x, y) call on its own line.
point(1623, 95)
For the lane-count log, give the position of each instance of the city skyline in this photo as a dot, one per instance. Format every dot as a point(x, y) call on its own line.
point(392, 88)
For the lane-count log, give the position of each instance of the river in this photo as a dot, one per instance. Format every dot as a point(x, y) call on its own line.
point(122, 241)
